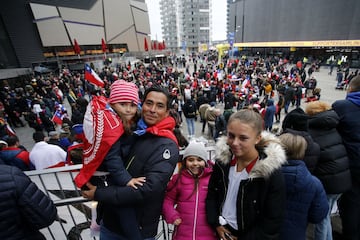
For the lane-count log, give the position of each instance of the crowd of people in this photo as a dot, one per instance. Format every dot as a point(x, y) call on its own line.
point(265, 183)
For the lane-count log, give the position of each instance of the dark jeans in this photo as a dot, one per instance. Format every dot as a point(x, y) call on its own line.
point(349, 208)
point(127, 225)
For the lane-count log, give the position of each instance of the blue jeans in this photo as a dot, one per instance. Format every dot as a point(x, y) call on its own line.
point(190, 122)
point(286, 106)
point(323, 230)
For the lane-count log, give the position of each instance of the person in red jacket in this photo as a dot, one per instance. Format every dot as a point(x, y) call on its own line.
point(184, 204)
point(15, 155)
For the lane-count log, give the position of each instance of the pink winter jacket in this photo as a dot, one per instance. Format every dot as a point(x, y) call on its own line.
point(182, 202)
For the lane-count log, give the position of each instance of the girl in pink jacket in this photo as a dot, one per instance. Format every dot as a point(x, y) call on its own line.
point(184, 204)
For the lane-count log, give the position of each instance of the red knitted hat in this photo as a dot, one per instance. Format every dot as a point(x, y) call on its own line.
point(122, 91)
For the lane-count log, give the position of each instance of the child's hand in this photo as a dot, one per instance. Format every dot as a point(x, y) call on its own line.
point(177, 222)
point(134, 182)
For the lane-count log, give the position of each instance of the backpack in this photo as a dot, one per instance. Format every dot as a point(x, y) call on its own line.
point(189, 109)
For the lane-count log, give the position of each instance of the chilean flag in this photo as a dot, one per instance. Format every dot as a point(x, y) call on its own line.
point(10, 131)
point(57, 118)
point(92, 76)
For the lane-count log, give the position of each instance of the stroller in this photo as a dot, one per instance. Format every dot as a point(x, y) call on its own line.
point(313, 94)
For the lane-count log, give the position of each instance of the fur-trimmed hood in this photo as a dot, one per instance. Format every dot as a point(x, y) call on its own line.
point(272, 155)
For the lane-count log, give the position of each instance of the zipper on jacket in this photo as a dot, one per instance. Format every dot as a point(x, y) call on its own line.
point(242, 204)
point(225, 192)
point(130, 162)
point(196, 213)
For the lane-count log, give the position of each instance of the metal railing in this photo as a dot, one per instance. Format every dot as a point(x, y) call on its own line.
point(74, 211)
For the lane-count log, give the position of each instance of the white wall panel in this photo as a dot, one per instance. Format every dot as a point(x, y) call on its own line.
point(141, 5)
point(141, 21)
point(84, 34)
point(52, 33)
point(117, 18)
point(92, 16)
point(128, 37)
point(43, 11)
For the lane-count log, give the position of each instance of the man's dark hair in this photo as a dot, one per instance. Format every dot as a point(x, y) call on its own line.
point(159, 88)
point(38, 136)
point(12, 140)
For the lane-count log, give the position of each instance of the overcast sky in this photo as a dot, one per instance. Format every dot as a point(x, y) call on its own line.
point(218, 19)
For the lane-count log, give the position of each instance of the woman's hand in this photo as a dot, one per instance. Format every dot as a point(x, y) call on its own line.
point(89, 194)
point(224, 233)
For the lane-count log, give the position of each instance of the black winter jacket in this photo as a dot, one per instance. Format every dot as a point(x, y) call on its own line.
point(349, 113)
point(154, 158)
point(260, 206)
point(24, 209)
point(333, 165)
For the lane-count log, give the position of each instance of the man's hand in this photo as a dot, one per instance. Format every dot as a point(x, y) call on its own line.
point(89, 194)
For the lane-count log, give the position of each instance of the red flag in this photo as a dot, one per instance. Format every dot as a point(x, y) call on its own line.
point(102, 128)
point(163, 44)
point(159, 46)
point(103, 45)
point(92, 76)
point(77, 48)
point(155, 45)
point(146, 47)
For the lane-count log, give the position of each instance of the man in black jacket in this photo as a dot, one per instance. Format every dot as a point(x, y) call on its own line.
point(154, 156)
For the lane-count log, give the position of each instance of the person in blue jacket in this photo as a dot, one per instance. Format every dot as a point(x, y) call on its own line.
point(269, 114)
point(306, 200)
point(24, 208)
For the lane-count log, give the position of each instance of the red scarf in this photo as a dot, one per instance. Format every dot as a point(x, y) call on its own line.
point(164, 129)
